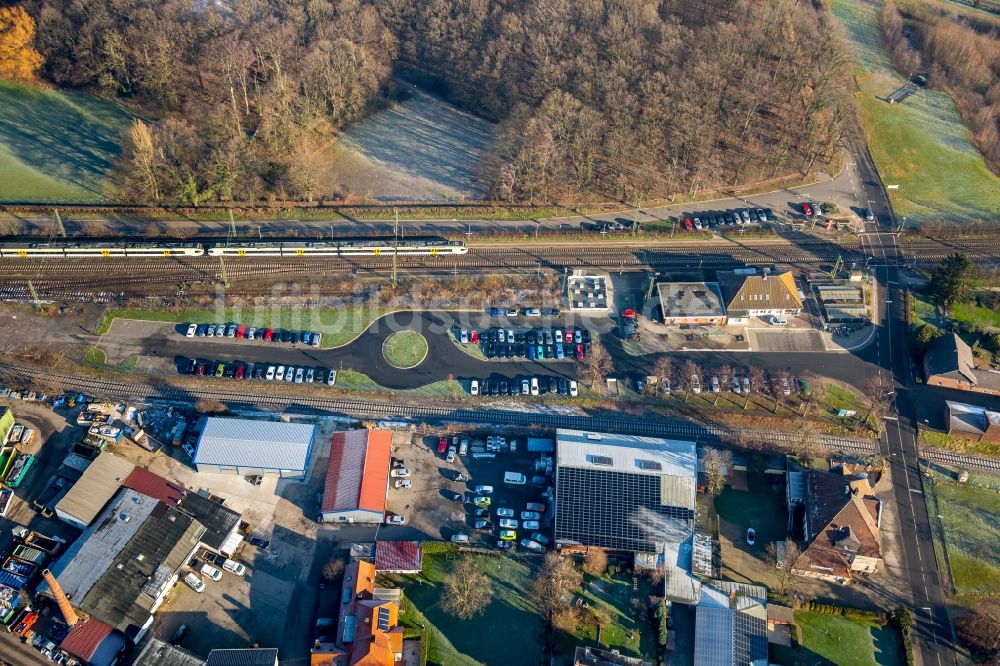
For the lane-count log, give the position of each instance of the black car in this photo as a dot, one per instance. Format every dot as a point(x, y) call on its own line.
point(494, 335)
point(295, 337)
point(495, 389)
point(550, 312)
point(286, 336)
point(213, 558)
point(563, 387)
point(258, 372)
point(484, 387)
point(553, 385)
point(550, 351)
point(769, 214)
point(531, 338)
point(521, 350)
point(504, 388)
point(230, 371)
point(586, 336)
point(489, 350)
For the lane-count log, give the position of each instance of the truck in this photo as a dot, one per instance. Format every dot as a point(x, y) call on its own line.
point(514, 478)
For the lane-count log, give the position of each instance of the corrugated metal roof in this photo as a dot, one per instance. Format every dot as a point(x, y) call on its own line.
point(357, 476)
point(84, 638)
point(266, 445)
point(159, 653)
point(97, 485)
point(243, 657)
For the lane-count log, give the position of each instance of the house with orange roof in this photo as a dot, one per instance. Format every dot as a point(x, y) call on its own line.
point(357, 477)
point(368, 633)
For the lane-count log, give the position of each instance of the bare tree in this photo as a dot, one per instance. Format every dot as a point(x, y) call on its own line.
point(782, 378)
point(757, 381)
point(597, 562)
point(716, 463)
point(333, 568)
point(663, 368)
point(725, 374)
point(557, 581)
point(597, 365)
point(467, 590)
point(817, 394)
point(878, 396)
point(602, 618)
point(690, 377)
point(782, 562)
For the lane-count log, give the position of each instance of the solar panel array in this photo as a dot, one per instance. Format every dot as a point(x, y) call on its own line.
point(383, 618)
point(749, 639)
point(613, 509)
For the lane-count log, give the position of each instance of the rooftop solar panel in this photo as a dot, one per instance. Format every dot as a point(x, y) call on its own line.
point(602, 460)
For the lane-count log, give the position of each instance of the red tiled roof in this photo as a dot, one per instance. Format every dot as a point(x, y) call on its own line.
point(153, 485)
point(84, 638)
point(357, 476)
point(398, 556)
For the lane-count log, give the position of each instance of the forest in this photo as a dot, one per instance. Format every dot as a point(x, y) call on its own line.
point(596, 99)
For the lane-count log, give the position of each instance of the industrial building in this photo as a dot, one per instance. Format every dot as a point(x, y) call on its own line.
point(122, 566)
point(748, 294)
point(161, 653)
point(623, 492)
point(243, 657)
point(357, 477)
point(247, 447)
point(95, 488)
point(731, 625)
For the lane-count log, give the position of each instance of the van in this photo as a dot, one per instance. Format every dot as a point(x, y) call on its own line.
point(211, 572)
point(234, 567)
point(463, 446)
point(779, 320)
point(195, 583)
point(316, 339)
point(514, 478)
point(534, 386)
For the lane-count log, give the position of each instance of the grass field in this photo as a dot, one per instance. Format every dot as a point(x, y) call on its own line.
point(834, 639)
point(57, 146)
point(339, 326)
point(759, 508)
point(921, 144)
point(507, 633)
point(972, 314)
point(630, 631)
point(942, 440)
point(405, 349)
point(970, 518)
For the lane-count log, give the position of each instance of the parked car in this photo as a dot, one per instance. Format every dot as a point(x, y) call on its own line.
point(400, 472)
point(761, 217)
point(807, 210)
point(234, 567)
point(331, 377)
point(257, 541)
point(505, 513)
point(507, 523)
point(540, 538)
point(751, 536)
point(530, 515)
point(531, 524)
point(573, 390)
point(191, 330)
point(460, 538)
point(179, 634)
point(785, 388)
point(483, 524)
point(474, 387)
point(211, 572)
point(508, 535)
point(189, 450)
point(533, 546)
point(450, 457)
point(401, 483)
point(395, 519)
point(484, 490)
point(715, 385)
point(532, 312)
point(463, 336)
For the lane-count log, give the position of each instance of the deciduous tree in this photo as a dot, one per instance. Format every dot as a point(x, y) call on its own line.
point(19, 61)
point(557, 581)
point(467, 590)
point(717, 463)
point(596, 562)
point(597, 364)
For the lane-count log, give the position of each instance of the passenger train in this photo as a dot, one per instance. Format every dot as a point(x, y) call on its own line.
point(332, 248)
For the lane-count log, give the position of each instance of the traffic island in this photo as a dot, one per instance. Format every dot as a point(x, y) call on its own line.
point(404, 349)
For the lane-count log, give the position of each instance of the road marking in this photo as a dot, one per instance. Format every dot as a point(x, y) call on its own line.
point(917, 491)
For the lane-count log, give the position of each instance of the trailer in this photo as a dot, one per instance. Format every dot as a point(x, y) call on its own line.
point(19, 470)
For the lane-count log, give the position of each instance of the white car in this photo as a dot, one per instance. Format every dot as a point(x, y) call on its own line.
point(533, 546)
point(195, 583)
point(395, 519)
point(239, 569)
point(715, 385)
point(188, 449)
point(507, 523)
point(191, 330)
point(530, 515)
point(279, 374)
point(401, 483)
point(573, 390)
point(331, 377)
point(483, 490)
point(525, 387)
point(211, 572)
point(505, 513)
point(736, 385)
point(450, 456)
point(299, 375)
point(474, 387)
point(534, 386)
point(400, 472)
point(463, 336)
point(269, 375)
point(252, 333)
point(532, 312)
point(530, 525)
point(751, 536)
point(460, 538)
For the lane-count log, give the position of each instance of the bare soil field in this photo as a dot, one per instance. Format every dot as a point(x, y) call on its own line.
point(422, 149)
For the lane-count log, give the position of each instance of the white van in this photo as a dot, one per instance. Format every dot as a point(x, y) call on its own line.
point(211, 572)
point(514, 478)
point(534, 386)
point(195, 583)
point(234, 567)
point(779, 320)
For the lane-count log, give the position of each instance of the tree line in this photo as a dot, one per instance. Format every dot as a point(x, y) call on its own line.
point(245, 94)
point(622, 99)
point(632, 99)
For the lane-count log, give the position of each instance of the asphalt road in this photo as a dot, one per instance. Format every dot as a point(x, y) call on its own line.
point(933, 634)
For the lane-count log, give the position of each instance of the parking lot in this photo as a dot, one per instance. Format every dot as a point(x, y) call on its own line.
point(439, 503)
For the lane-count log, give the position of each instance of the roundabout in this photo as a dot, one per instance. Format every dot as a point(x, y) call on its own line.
point(404, 349)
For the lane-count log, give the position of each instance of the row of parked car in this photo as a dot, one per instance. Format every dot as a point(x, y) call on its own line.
point(533, 344)
point(243, 332)
point(524, 386)
point(265, 371)
point(525, 312)
point(737, 384)
point(697, 221)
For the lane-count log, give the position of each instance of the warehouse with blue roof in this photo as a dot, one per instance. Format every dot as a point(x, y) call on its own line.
point(247, 447)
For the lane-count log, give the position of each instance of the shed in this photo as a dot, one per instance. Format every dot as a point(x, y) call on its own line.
point(96, 487)
point(357, 477)
point(248, 447)
point(404, 557)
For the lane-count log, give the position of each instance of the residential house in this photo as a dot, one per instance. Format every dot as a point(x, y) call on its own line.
point(949, 362)
point(972, 422)
point(758, 295)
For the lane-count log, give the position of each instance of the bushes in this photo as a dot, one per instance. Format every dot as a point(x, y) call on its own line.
point(438, 547)
point(855, 614)
point(902, 619)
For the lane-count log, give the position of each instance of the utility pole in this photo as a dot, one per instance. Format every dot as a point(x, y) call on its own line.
point(395, 245)
point(222, 272)
point(232, 225)
point(59, 222)
point(34, 296)
point(635, 219)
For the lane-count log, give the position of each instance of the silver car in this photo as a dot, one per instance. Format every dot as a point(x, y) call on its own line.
point(310, 375)
point(269, 375)
point(279, 374)
point(299, 375)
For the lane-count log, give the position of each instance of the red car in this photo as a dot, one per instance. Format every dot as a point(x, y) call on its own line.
point(442, 444)
point(807, 209)
point(579, 352)
point(268, 334)
point(240, 371)
point(474, 336)
point(241, 332)
point(688, 224)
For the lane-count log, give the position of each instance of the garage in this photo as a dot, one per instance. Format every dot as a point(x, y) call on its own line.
point(247, 447)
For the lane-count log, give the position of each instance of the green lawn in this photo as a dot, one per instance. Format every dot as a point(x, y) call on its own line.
point(57, 146)
point(405, 349)
point(972, 314)
point(942, 440)
point(759, 508)
point(508, 633)
point(630, 632)
point(970, 519)
point(339, 326)
point(833, 639)
point(920, 144)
